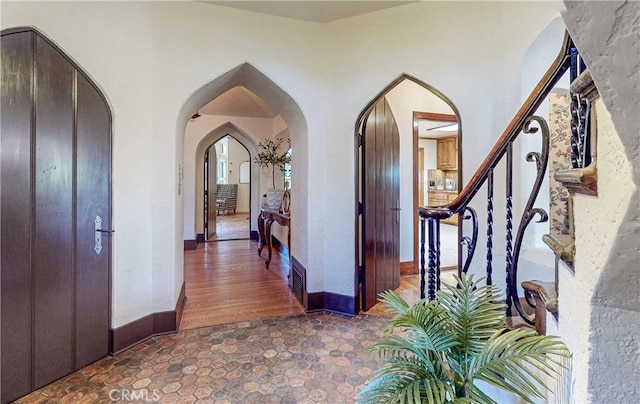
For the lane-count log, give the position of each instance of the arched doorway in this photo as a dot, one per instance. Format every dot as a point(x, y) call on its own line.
point(405, 104)
point(249, 77)
point(226, 163)
point(196, 155)
point(217, 119)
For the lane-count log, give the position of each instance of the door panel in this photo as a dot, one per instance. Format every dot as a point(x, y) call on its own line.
point(381, 201)
point(93, 199)
point(420, 176)
point(370, 203)
point(393, 274)
point(53, 311)
point(212, 189)
point(56, 177)
point(15, 122)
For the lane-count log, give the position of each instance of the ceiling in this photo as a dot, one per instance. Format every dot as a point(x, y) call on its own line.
point(312, 10)
point(239, 102)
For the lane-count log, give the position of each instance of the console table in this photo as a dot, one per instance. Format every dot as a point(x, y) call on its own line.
point(265, 220)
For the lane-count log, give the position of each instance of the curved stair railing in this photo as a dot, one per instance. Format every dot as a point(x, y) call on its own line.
point(430, 216)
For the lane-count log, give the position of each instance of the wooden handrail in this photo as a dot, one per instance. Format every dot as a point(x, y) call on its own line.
point(559, 66)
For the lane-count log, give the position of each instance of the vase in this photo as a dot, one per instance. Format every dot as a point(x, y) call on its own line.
point(286, 201)
point(274, 198)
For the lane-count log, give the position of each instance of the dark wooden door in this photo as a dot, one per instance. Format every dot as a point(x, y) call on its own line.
point(381, 203)
point(212, 187)
point(205, 211)
point(56, 180)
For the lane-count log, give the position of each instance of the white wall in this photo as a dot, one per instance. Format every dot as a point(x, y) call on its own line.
point(537, 59)
point(597, 222)
point(144, 57)
point(599, 304)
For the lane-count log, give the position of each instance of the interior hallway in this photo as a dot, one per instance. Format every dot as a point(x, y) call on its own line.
point(226, 282)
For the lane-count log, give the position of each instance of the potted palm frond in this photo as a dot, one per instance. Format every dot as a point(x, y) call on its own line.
point(438, 351)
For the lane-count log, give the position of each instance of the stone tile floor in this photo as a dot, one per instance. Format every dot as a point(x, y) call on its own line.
point(307, 358)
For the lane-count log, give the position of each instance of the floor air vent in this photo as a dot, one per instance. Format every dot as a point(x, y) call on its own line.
point(297, 282)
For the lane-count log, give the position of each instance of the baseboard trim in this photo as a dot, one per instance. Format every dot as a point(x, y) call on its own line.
point(182, 301)
point(340, 303)
point(314, 301)
point(253, 235)
point(282, 249)
point(200, 238)
point(319, 301)
point(190, 244)
point(328, 301)
point(153, 324)
point(408, 268)
point(130, 334)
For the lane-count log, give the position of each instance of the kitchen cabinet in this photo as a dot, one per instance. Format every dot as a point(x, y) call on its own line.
point(441, 199)
point(447, 156)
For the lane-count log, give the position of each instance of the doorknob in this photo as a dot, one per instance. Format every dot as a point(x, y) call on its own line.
point(97, 241)
point(397, 209)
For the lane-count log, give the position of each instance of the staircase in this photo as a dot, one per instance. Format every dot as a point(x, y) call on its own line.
point(539, 297)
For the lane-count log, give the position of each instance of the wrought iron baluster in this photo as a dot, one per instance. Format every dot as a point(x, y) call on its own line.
point(437, 232)
point(431, 292)
point(489, 226)
point(541, 159)
point(466, 214)
point(580, 118)
point(509, 217)
point(580, 149)
point(422, 268)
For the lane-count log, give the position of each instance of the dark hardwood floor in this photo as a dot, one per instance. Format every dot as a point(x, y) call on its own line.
point(226, 281)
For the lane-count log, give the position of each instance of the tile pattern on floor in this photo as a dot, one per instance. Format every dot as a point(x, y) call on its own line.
point(308, 358)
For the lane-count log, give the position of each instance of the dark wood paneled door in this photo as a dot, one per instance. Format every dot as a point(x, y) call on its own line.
point(56, 191)
point(212, 181)
point(205, 200)
point(381, 204)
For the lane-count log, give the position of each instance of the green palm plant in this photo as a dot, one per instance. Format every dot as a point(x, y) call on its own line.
point(438, 350)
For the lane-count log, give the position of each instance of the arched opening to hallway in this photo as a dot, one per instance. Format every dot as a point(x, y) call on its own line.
point(401, 163)
point(227, 281)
